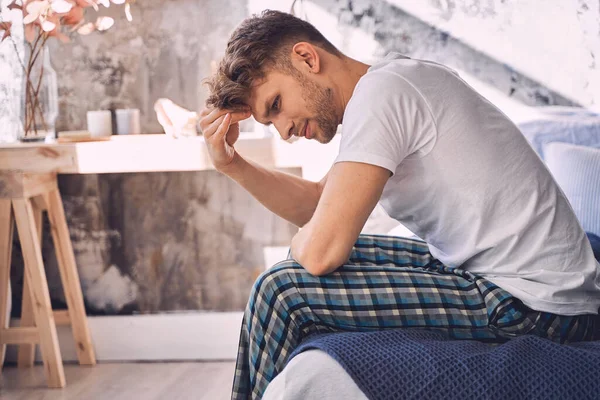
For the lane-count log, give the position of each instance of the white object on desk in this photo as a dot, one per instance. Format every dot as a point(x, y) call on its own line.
point(175, 120)
point(128, 121)
point(99, 123)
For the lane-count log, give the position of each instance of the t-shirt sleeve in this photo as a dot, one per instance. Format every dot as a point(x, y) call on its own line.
point(386, 120)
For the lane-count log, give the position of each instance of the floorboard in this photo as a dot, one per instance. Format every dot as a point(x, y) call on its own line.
point(123, 381)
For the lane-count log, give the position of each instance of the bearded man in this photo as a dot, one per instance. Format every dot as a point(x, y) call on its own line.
point(502, 253)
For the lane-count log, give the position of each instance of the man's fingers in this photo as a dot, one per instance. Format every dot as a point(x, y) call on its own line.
point(240, 116)
point(209, 119)
point(224, 127)
point(216, 113)
point(212, 128)
point(211, 115)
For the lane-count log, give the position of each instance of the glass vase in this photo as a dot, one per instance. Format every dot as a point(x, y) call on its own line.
point(41, 99)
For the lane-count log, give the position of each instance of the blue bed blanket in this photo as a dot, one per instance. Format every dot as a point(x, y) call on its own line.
point(417, 364)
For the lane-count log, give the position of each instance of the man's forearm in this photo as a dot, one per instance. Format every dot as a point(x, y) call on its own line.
point(291, 197)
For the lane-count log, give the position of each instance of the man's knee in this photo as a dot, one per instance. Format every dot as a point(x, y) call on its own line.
point(274, 280)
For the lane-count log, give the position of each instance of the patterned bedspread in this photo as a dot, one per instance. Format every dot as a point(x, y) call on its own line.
point(416, 364)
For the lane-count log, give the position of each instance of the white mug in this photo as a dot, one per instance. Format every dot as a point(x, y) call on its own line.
point(99, 123)
point(128, 121)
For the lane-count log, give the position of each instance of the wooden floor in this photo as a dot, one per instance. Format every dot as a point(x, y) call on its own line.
point(123, 381)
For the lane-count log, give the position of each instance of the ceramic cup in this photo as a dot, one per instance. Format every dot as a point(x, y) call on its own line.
point(99, 123)
point(128, 121)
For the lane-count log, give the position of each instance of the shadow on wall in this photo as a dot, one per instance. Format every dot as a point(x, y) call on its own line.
point(395, 30)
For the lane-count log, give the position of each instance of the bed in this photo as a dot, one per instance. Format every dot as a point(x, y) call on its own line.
point(411, 364)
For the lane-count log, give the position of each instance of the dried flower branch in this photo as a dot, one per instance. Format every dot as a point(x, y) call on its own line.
point(5, 26)
point(44, 19)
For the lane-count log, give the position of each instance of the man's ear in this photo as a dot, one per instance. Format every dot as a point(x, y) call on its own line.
point(306, 57)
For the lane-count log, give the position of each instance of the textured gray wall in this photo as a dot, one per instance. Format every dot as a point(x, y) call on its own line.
point(165, 52)
point(160, 241)
point(394, 29)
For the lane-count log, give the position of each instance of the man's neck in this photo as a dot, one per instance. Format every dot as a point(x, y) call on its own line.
point(345, 81)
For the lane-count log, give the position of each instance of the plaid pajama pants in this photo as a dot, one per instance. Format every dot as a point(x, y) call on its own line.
point(389, 282)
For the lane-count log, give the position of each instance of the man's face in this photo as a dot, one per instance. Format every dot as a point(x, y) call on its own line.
point(295, 105)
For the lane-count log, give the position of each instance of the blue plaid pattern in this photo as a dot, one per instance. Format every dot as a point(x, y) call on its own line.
point(389, 282)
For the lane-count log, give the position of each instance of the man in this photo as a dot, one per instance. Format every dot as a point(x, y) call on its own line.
point(503, 254)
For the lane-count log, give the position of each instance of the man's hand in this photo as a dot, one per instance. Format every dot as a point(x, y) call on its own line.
point(221, 130)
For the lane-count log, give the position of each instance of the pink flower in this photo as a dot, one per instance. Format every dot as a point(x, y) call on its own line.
point(48, 16)
point(73, 17)
point(42, 9)
point(85, 3)
point(101, 24)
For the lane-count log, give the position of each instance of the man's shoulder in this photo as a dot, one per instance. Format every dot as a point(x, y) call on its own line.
point(402, 76)
point(387, 87)
point(380, 85)
point(410, 68)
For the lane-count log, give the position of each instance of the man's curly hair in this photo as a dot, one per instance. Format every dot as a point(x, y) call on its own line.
point(260, 43)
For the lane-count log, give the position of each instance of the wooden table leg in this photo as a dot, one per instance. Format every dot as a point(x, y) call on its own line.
point(34, 268)
point(6, 232)
point(26, 353)
point(70, 278)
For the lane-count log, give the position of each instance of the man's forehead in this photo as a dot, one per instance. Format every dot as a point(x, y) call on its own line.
point(260, 92)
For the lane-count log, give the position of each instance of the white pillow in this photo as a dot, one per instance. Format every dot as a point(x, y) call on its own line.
point(577, 171)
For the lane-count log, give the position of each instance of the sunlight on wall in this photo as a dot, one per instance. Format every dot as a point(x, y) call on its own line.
point(553, 42)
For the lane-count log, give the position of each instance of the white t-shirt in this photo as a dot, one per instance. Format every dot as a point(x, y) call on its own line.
point(467, 182)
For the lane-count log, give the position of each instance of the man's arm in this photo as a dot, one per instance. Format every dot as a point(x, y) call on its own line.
point(288, 196)
point(349, 196)
point(291, 197)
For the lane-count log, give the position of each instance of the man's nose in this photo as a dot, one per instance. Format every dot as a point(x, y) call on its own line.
point(284, 128)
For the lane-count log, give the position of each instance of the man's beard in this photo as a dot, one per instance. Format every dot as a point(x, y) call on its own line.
point(320, 104)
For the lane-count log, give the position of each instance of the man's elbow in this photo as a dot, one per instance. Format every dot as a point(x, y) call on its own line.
point(320, 264)
point(318, 269)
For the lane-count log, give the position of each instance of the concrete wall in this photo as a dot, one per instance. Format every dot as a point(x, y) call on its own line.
point(165, 52)
point(157, 242)
point(555, 43)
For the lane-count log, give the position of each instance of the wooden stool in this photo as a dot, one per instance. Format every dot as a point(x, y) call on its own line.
point(23, 197)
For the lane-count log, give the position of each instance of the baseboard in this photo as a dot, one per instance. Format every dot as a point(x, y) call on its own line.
point(177, 336)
